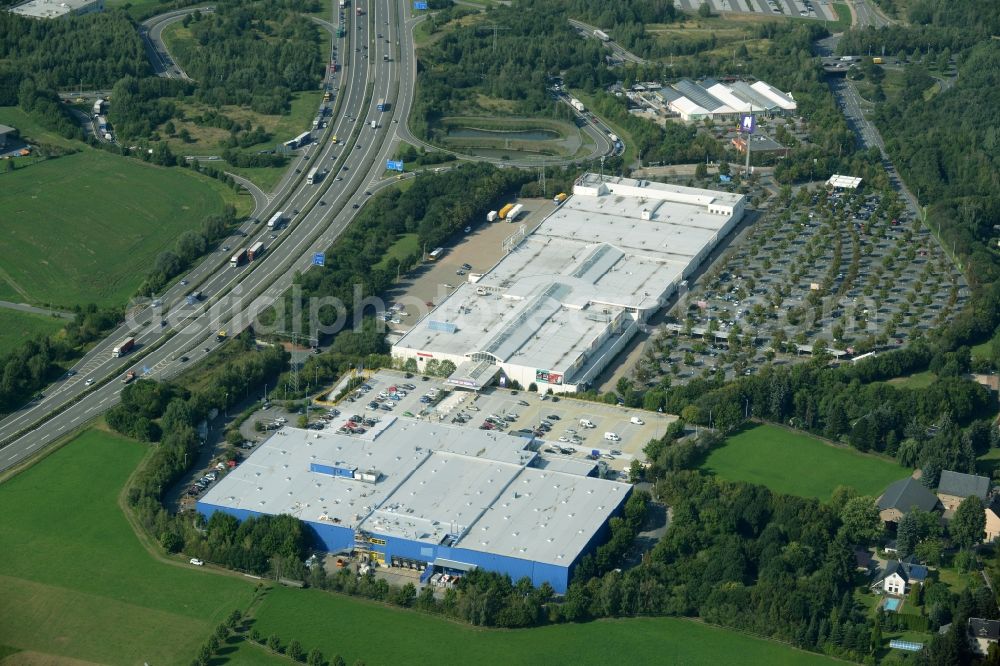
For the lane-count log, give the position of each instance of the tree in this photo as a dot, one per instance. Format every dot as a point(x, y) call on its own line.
point(860, 520)
point(968, 523)
point(273, 643)
point(315, 658)
point(337, 661)
point(705, 10)
point(907, 534)
point(701, 171)
point(295, 651)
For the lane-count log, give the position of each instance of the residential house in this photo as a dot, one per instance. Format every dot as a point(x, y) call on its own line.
point(982, 633)
point(902, 497)
point(899, 576)
point(955, 487)
point(992, 520)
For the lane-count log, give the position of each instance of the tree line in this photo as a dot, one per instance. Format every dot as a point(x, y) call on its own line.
point(189, 246)
point(168, 416)
point(435, 208)
point(33, 364)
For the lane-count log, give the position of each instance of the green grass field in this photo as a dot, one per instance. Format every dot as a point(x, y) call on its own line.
point(77, 583)
point(915, 381)
point(86, 227)
point(406, 244)
point(30, 130)
point(17, 326)
point(797, 464)
point(341, 625)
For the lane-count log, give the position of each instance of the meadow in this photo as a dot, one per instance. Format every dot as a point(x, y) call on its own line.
point(17, 326)
point(340, 625)
point(85, 228)
point(797, 464)
point(76, 581)
point(78, 584)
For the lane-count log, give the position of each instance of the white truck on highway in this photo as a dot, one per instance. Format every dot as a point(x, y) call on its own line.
point(276, 220)
point(577, 104)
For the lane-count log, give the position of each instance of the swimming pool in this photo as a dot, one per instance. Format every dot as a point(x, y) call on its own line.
point(892, 604)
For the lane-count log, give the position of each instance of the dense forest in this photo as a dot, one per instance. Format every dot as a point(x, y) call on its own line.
point(93, 51)
point(253, 54)
point(535, 43)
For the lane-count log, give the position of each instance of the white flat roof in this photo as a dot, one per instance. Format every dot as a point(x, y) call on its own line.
point(445, 495)
point(50, 8)
point(434, 481)
point(617, 243)
point(846, 182)
point(725, 94)
point(276, 477)
point(781, 99)
point(685, 106)
point(545, 516)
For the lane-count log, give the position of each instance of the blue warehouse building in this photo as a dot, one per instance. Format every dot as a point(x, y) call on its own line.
point(432, 496)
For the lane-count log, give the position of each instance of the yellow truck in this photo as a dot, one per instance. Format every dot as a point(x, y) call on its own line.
point(503, 211)
point(559, 198)
point(876, 61)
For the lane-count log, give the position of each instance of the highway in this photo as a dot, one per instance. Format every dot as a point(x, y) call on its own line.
point(868, 15)
point(317, 213)
point(620, 51)
point(151, 31)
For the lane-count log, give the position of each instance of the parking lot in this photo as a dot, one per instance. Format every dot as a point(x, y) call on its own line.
point(843, 272)
point(816, 9)
point(480, 250)
point(553, 419)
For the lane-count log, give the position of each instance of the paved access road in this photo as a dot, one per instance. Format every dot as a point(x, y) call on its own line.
point(317, 213)
point(151, 31)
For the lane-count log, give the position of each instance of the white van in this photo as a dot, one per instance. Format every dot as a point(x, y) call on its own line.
point(635, 420)
point(374, 124)
point(586, 423)
point(612, 437)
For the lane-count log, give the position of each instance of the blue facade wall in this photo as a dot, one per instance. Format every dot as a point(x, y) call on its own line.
point(537, 572)
point(334, 538)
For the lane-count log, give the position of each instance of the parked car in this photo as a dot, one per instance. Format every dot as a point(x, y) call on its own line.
point(195, 561)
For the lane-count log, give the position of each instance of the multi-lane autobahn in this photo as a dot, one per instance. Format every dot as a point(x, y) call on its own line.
point(169, 329)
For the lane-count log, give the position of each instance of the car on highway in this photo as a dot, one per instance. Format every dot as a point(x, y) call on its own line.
point(183, 359)
point(273, 236)
point(367, 193)
point(184, 283)
point(355, 206)
point(89, 382)
point(338, 178)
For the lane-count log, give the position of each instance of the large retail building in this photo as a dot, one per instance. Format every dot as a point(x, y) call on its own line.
point(568, 296)
point(430, 496)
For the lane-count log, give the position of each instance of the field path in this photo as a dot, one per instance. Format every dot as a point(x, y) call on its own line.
point(13, 285)
point(24, 307)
